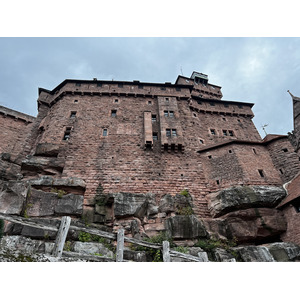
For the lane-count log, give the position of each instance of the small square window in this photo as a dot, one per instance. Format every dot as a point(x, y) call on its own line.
point(240, 106)
point(153, 118)
point(285, 150)
point(77, 84)
point(174, 132)
point(211, 104)
point(75, 101)
point(167, 99)
point(226, 105)
point(254, 150)
point(261, 173)
point(209, 157)
point(120, 85)
point(224, 119)
point(73, 114)
point(155, 136)
point(149, 102)
point(104, 132)
point(230, 133)
point(166, 113)
point(99, 84)
point(67, 134)
point(225, 132)
point(116, 100)
point(168, 132)
point(141, 86)
point(213, 132)
point(229, 151)
point(171, 114)
point(178, 89)
point(113, 113)
point(201, 141)
point(163, 88)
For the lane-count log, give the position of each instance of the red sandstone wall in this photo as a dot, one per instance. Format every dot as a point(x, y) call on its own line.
point(292, 233)
point(12, 134)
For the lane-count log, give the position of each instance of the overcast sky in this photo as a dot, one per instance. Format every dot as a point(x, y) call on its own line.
point(256, 70)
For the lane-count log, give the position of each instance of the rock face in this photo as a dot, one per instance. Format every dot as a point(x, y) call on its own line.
point(47, 149)
point(175, 203)
point(46, 204)
point(241, 197)
point(128, 204)
point(92, 248)
point(185, 227)
point(284, 251)
point(254, 254)
point(12, 196)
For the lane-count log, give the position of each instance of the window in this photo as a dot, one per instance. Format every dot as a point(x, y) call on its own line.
point(104, 132)
point(155, 136)
point(166, 113)
point(141, 86)
point(226, 105)
point(229, 151)
point(211, 104)
point(201, 141)
point(113, 113)
point(75, 101)
point(77, 84)
point(171, 114)
point(224, 119)
point(168, 132)
point(209, 157)
point(153, 118)
point(261, 173)
point(163, 88)
point(174, 132)
point(254, 151)
point(99, 84)
point(120, 85)
point(67, 134)
point(213, 132)
point(178, 89)
point(116, 100)
point(73, 114)
point(149, 102)
point(230, 133)
point(240, 106)
point(194, 115)
point(280, 170)
point(285, 150)
point(225, 132)
point(217, 181)
point(167, 99)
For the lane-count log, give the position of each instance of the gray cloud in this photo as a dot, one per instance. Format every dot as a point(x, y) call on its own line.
point(258, 70)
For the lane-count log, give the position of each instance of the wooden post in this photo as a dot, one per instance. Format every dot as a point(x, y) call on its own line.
point(61, 236)
point(166, 251)
point(120, 245)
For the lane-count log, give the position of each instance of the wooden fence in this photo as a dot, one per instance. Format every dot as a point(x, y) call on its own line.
point(65, 226)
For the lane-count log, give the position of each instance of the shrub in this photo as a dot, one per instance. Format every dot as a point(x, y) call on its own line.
point(185, 193)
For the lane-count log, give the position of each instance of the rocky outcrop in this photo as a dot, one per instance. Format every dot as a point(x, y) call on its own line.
point(92, 248)
point(185, 227)
point(254, 254)
point(242, 197)
point(284, 251)
point(12, 196)
point(47, 149)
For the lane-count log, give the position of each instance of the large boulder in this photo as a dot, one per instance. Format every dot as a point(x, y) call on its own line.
point(129, 204)
point(254, 254)
point(42, 203)
point(255, 224)
point(47, 149)
point(49, 181)
point(12, 196)
point(185, 227)
point(284, 251)
point(175, 203)
point(241, 197)
point(92, 248)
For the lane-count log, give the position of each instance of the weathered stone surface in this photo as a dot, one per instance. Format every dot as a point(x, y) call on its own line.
point(128, 204)
point(69, 205)
point(137, 256)
point(185, 227)
point(58, 182)
point(43, 165)
point(241, 197)
point(170, 203)
point(12, 196)
point(47, 149)
point(92, 248)
point(254, 254)
point(222, 255)
point(284, 251)
point(9, 170)
point(254, 224)
point(42, 203)
point(217, 228)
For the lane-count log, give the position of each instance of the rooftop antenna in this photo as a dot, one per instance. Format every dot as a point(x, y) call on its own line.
point(263, 127)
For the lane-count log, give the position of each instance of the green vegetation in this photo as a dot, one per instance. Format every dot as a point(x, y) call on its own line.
point(155, 254)
point(1, 228)
point(67, 246)
point(60, 193)
point(87, 237)
point(185, 211)
point(185, 193)
point(181, 249)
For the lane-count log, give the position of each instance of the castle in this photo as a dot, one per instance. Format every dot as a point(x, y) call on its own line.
point(141, 155)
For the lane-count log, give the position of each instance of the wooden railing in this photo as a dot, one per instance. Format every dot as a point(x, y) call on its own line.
point(65, 226)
